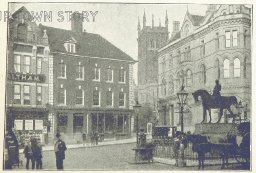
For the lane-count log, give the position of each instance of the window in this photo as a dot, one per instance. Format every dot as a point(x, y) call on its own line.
point(26, 93)
point(188, 53)
point(70, 47)
point(237, 67)
point(217, 42)
point(62, 122)
point(189, 78)
point(122, 75)
point(78, 121)
point(79, 96)
point(22, 32)
point(203, 74)
point(109, 97)
point(39, 65)
point(245, 69)
point(163, 87)
point(163, 65)
point(96, 73)
point(227, 35)
point(202, 48)
point(96, 97)
point(226, 68)
point(16, 94)
point(39, 95)
point(171, 86)
point(17, 63)
point(186, 30)
point(62, 70)
point(62, 96)
point(217, 69)
point(109, 74)
point(80, 71)
point(27, 64)
point(234, 37)
point(121, 99)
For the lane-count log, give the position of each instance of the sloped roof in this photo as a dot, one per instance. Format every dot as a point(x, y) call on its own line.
point(175, 37)
point(196, 19)
point(88, 44)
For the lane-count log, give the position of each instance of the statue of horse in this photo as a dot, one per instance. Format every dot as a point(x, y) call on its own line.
point(209, 101)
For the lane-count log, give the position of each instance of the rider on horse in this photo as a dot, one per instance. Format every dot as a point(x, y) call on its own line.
point(216, 91)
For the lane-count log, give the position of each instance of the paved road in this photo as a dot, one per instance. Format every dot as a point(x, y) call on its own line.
point(111, 157)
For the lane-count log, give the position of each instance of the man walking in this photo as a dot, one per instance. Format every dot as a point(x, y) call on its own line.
point(59, 148)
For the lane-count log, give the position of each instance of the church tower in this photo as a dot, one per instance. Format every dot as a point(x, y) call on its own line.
point(150, 39)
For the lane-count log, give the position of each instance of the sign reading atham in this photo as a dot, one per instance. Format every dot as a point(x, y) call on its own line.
point(26, 77)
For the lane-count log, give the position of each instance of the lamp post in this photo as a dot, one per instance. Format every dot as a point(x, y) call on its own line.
point(239, 107)
point(182, 96)
point(136, 111)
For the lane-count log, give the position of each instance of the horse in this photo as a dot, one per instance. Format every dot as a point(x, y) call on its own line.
point(201, 146)
point(209, 101)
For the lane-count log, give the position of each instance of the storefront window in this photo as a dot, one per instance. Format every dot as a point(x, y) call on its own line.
point(109, 123)
point(62, 122)
point(78, 121)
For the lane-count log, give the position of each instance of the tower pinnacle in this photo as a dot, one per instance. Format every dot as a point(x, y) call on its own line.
point(144, 19)
point(166, 20)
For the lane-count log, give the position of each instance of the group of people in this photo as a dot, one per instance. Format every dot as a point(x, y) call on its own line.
point(33, 153)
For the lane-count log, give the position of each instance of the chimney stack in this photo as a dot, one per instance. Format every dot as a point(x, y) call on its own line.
point(176, 27)
point(77, 22)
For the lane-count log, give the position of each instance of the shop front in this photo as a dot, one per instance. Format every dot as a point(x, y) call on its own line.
point(27, 123)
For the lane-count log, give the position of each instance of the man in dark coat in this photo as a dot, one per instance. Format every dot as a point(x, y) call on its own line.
point(29, 155)
point(59, 148)
point(216, 91)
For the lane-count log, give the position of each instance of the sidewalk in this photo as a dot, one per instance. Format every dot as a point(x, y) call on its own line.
point(88, 145)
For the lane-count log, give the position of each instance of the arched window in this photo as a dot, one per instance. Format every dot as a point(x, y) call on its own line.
point(163, 87)
point(189, 78)
point(203, 74)
point(217, 63)
point(237, 67)
point(171, 85)
point(226, 68)
point(186, 30)
point(245, 67)
point(22, 32)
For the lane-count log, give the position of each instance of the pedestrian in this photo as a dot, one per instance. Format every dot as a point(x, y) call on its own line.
point(84, 138)
point(59, 148)
point(37, 154)
point(29, 154)
point(96, 137)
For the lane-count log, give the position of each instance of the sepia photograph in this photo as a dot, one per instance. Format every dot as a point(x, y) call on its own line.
point(108, 86)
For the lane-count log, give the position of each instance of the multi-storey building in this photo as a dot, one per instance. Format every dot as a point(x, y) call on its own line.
point(76, 82)
point(27, 76)
point(206, 48)
point(91, 83)
point(150, 39)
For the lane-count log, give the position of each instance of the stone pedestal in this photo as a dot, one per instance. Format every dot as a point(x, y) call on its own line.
point(214, 128)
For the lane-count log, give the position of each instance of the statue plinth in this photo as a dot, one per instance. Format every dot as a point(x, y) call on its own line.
point(214, 128)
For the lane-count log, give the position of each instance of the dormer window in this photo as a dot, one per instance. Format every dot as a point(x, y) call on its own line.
point(70, 47)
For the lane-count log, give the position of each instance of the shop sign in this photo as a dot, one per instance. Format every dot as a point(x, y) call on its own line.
point(26, 77)
point(28, 124)
point(38, 124)
point(18, 124)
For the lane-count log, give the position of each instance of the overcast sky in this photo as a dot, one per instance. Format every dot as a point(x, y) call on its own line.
point(115, 22)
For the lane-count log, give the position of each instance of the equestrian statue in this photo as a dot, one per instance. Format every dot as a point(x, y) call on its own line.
point(215, 101)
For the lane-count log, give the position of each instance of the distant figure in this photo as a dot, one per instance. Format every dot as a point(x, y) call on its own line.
point(142, 137)
point(84, 138)
point(96, 137)
point(59, 148)
point(217, 89)
point(37, 153)
point(29, 155)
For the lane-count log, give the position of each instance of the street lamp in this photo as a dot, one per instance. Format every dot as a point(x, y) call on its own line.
point(182, 96)
point(239, 107)
point(136, 111)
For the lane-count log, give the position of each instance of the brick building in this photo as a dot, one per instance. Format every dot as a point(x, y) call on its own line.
point(91, 83)
point(27, 77)
point(205, 48)
point(150, 39)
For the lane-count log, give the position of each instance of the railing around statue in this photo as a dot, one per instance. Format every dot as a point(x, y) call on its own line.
point(165, 148)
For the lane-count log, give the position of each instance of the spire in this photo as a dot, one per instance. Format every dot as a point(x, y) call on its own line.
point(166, 20)
point(138, 24)
point(159, 22)
point(152, 20)
point(144, 19)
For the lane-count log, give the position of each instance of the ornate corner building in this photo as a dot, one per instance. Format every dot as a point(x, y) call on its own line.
point(205, 48)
